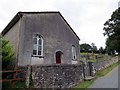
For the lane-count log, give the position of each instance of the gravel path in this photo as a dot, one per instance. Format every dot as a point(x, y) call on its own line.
point(108, 81)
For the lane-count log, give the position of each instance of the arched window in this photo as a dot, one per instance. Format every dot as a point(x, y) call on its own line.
point(37, 45)
point(73, 52)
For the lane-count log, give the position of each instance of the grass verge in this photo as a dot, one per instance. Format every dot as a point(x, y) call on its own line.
point(103, 72)
point(84, 84)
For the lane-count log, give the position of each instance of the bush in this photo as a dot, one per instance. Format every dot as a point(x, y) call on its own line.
point(7, 54)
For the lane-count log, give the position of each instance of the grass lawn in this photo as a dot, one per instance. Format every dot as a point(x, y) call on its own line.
point(84, 53)
point(103, 72)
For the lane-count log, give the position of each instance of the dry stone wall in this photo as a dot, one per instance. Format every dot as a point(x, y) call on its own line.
point(64, 76)
point(99, 64)
point(57, 76)
point(105, 63)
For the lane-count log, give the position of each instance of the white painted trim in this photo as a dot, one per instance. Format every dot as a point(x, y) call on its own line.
point(38, 44)
point(74, 53)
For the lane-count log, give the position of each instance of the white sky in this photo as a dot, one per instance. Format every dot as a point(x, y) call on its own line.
point(86, 17)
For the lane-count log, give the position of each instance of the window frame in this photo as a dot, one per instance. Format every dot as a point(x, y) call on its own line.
point(74, 53)
point(39, 37)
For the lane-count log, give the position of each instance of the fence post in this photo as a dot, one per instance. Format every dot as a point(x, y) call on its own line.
point(14, 77)
point(28, 73)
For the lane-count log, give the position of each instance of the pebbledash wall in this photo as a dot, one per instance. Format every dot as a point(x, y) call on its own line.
point(57, 76)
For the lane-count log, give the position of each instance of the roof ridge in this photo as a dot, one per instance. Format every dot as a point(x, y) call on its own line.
point(35, 12)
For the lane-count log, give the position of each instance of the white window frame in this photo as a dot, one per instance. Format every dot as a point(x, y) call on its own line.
point(38, 38)
point(74, 55)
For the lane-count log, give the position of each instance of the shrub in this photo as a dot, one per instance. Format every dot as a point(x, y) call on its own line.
point(7, 54)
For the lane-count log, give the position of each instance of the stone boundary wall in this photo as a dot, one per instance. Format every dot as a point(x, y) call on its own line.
point(103, 64)
point(98, 65)
point(57, 76)
point(63, 76)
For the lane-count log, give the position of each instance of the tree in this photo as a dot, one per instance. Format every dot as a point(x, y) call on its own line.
point(94, 48)
point(85, 47)
point(7, 54)
point(112, 30)
point(101, 50)
point(110, 47)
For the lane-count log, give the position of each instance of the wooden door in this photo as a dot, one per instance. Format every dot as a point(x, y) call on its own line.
point(58, 58)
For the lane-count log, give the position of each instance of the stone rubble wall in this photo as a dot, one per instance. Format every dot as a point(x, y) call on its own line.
point(57, 76)
point(105, 63)
point(98, 64)
point(63, 76)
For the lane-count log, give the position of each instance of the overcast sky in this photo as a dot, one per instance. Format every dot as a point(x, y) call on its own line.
point(86, 17)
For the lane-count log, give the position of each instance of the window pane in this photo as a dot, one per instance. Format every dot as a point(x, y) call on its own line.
point(35, 40)
point(39, 52)
point(73, 53)
point(74, 57)
point(39, 36)
point(34, 52)
point(35, 47)
point(40, 41)
point(39, 48)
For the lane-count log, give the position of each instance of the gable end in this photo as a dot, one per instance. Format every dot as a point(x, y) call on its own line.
point(69, 25)
point(20, 14)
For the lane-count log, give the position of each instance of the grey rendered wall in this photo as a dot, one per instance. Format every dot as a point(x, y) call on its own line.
point(13, 36)
point(26, 42)
point(56, 34)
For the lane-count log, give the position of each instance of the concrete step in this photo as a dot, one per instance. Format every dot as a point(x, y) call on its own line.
point(88, 78)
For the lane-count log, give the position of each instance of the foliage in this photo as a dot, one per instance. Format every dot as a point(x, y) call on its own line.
point(85, 47)
point(7, 54)
point(101, 50)
point(94, 48)
point(88, 48)
point(20, 84)
point(112, 30)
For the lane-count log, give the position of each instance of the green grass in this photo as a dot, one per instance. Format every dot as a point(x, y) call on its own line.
point(83, 53)
point(103, 72)
point(20, 84)
point(84, 84)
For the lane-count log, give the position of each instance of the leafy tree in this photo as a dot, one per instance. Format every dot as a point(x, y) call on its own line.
point(109, 47)
point(7, 54)
point(94, 48)
point(101, 50)
point(85, 47)
point(112, 30)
